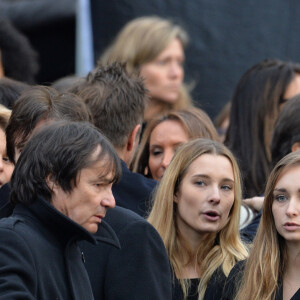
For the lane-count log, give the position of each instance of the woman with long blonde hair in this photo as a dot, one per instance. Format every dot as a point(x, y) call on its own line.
point(272, 271)
point(196, 211)
point(154, 47)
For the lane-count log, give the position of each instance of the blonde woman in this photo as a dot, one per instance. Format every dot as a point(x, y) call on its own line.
point(154, 47)
point(196, 211)
point(272, 271)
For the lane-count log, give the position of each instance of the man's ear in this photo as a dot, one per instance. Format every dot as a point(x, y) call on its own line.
point(133, 137)
point(295, 147)
point(51, 182)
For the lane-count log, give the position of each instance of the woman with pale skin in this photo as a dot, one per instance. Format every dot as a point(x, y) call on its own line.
point(164, 134)
point(196, 211)
point(6, 167)
point(272, 270)
point(154, 47)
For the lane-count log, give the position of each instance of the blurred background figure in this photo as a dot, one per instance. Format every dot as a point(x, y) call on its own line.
point(66, 83)
point(286, 134)
point(18, 59)
point(6, 166)
point(257, 100)
point(154, 47)
point(10, 90)
point(164, 134)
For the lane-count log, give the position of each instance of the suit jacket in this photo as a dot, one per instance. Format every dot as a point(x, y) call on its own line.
point(134, 191)
point(139, 271)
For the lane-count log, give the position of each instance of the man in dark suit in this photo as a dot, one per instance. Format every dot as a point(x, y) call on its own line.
point(140, 270)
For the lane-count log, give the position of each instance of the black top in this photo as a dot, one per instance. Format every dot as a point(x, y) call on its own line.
point(279, 294)
point(193, 292)
point(234, 279)
point(213, 291)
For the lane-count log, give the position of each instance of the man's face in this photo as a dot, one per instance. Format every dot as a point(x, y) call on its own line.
point(89, 200)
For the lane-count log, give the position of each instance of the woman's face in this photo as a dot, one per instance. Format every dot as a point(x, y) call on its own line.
point(164, 75)
point(164, 140)
point(6, 167)
point(205, 196)
point(286, 204)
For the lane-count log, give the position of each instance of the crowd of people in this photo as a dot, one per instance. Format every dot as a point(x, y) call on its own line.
point(116, 186)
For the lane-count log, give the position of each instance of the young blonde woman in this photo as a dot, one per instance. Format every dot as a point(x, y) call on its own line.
point(154, 47)
point(196, 211)
point(272, 271)
point(164, 134)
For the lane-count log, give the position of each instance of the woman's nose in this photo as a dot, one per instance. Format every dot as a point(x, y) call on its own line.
point(214, 195)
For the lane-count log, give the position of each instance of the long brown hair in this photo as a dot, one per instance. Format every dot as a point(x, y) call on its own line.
point(255, 107)
point(268, 258)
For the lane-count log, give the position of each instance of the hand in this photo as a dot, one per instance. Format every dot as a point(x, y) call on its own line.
point(256, 203)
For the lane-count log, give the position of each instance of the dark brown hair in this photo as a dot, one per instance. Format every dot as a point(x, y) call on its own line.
point(115, 99)
point(255, 106)
point(37, 104)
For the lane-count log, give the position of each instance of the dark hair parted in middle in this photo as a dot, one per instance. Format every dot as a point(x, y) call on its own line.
point(38, 104)
point(60, 151)
point(255, 107)
point(116, 100)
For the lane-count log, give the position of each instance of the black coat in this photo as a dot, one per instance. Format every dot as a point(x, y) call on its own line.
point(134, 191)
point(39, 256)
point(139, 271)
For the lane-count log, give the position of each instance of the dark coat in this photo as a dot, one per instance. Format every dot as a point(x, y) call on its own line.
point(39, 256)
point(4, 194)
point(139, 271)
point(134, 191)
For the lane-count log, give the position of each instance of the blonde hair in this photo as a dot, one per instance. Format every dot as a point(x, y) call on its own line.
point(218, 249)
point(195, 122)
point(142, 40)
point(268, 258)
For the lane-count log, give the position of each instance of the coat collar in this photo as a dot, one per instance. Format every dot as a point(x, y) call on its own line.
point(65, 228)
